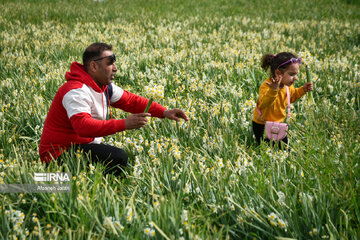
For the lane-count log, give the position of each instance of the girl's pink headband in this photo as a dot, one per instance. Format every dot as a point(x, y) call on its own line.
point(291, 60)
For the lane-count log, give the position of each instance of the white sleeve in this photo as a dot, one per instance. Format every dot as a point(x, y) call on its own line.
point(117, 93)
point(77, 101)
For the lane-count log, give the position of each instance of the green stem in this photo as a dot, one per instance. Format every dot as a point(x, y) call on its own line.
point(310, 97)
point(308, 76)
point(148, 105)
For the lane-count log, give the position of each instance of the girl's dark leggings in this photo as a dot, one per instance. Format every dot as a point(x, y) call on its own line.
point(113, 158)
point(259, 129)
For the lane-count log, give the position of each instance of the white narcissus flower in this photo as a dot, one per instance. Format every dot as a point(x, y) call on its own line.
point(154, 91)
point(306, 57)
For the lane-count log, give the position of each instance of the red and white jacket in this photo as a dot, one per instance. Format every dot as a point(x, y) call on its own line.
point(78, 113)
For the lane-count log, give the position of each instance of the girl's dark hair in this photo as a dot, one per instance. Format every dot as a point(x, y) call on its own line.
point(94, 51)
point(273, 61)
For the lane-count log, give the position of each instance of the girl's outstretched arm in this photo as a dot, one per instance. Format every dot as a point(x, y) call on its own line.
point(296, 93)
point(268, 93)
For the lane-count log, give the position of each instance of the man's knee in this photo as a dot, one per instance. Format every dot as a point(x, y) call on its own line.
point(120, 157)
point(118, 161)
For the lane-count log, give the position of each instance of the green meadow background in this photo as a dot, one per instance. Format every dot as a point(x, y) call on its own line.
point(204, 179)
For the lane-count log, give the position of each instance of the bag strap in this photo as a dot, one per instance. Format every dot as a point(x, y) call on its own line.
point(288, 101)
point(288, 105)
point(108, 94)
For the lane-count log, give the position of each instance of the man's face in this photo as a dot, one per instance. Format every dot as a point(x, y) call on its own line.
point(105, 70)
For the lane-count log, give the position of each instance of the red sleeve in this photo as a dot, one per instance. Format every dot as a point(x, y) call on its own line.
point(86, 126)
point(133, 103)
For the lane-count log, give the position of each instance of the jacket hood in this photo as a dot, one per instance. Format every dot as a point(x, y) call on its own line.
point(77, 73)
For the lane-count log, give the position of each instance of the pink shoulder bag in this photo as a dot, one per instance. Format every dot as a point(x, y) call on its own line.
point(275, 130)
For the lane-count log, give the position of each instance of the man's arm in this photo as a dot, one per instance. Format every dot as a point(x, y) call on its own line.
point(77, 104)
point(86, 126)
point(133, 103)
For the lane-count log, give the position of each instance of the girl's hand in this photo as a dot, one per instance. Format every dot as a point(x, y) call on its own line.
point(275, 83)
point(308, 86)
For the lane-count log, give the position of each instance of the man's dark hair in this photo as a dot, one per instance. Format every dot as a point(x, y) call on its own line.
point(94, 51)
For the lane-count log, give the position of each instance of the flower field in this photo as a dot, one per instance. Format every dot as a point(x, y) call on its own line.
point(201, 179)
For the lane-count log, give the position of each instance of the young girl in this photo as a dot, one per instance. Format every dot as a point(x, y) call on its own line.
point(272, 100)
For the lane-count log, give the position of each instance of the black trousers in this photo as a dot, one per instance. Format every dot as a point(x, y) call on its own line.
point(259, 129)
point(114, 158)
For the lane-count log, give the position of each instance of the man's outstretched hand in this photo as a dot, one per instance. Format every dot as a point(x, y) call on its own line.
point(137, 120)
point(175, 114)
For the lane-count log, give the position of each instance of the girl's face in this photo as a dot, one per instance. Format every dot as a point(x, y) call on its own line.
point(289, 75)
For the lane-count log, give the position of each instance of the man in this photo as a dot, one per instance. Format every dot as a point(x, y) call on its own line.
point(77, 115)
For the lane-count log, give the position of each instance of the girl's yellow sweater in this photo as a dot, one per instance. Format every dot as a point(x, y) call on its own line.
point(272, 103)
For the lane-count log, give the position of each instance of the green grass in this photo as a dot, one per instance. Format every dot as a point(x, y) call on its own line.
point(207, 55)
